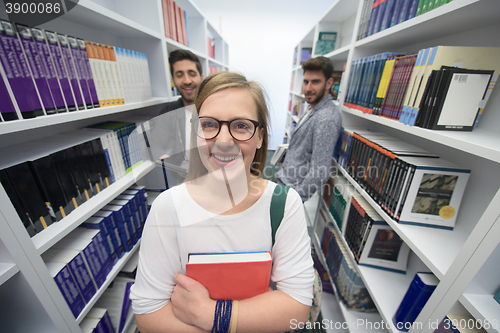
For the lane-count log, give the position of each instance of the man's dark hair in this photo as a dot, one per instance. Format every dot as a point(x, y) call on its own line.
point(179, 55)
point(319, 64)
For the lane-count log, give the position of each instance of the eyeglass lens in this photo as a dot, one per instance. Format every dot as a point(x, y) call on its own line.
point(240, 129)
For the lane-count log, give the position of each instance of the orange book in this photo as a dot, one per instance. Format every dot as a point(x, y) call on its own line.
point(234, 275)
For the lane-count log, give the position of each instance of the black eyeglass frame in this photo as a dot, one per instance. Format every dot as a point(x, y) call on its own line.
point(228, 123)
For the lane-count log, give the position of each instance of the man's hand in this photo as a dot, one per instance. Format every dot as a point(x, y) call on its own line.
point(191, 303)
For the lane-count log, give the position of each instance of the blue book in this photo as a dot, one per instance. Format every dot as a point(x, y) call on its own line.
point(373, 17)
point(113, 232)
point(412, 12)
point(65, 282)
point(389, 10)
point(77, 267)
point(413, 302)
point(403, 13)
point(381, 12)
point(396, 12)
point(405, 113)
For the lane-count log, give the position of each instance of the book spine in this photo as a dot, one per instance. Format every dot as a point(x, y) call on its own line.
point(80, 71)
point(70, 291)
point(82, 277)
point(9, 110)
point(49, 70)
point(61, 70)
point(71, 70)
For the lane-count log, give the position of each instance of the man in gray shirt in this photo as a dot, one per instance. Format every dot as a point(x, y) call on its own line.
point(308, 159)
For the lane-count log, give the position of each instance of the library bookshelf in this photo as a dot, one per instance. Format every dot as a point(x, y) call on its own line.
point(30, 300)
point(465, 258)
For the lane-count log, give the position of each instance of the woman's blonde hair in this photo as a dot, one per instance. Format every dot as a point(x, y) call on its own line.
point(225, 80)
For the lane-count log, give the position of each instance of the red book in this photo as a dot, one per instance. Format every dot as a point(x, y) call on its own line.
point(235, 275)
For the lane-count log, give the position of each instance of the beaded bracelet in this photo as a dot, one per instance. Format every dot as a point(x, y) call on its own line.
point(222, 316)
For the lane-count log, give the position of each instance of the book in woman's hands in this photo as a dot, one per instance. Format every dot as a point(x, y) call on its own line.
point(234, 275)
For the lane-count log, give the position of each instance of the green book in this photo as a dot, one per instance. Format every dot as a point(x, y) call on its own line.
point(325, 43)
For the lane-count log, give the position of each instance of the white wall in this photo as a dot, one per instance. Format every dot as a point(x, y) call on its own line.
point(262, 35)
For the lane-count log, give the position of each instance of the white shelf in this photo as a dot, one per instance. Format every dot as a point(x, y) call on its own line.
point(297, 94)
point(437, 248)
point(7, 271)
point(352, 319)
point(339, 54)
point(480, 142)
point(56, 231)
point(386, 288)
point(111, 276)
point(449, 19)
point(88, 13)
point(61, 118)
point(484, 308)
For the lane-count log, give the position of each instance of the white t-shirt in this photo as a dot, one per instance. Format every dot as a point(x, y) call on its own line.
point(166, 243)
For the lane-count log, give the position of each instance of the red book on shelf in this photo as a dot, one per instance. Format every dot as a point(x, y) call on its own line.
point(171, 15)
point(166, 18)
point(235, 275)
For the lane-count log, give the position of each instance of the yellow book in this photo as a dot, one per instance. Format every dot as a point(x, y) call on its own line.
point(384, 84)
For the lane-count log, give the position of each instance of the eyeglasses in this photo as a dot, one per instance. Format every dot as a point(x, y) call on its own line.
point(240, 129)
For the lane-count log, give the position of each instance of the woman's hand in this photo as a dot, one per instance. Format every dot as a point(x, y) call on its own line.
point(191, 303)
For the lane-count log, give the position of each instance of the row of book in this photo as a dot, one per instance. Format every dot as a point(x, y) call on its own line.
point(81, 262)
point(297, 109)
point(351, 289)
point(412, 185)
point(44, 72)
point(371, 240)
point(54, 182)
point(378, 15)
point(175, 20)
point(399, 86)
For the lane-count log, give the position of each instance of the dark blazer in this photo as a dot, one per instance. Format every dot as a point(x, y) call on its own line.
point(309, 156)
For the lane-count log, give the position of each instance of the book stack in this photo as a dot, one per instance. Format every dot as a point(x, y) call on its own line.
point(97, 320)
point(116, 300)
point(126, 134)
point(379, 83)
point(48, 179)
point(462, 81)
point(343, 272)
point(369, 75)
point(410, 184)
point(378, 15)
point(175, 21)
point(45, 72)
point(371, 240)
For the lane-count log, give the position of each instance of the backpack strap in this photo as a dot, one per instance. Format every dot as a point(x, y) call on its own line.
point(277, 210)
